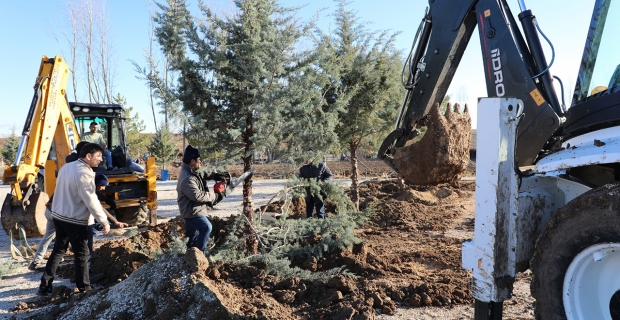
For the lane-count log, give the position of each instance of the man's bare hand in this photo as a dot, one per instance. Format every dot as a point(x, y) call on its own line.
point(121, 225)
point(106, 228)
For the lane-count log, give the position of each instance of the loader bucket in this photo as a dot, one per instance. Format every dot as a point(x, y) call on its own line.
point(442, 154)
point(32, 219)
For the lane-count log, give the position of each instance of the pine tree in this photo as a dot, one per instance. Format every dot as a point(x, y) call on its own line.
point(367, 79)
point(162, 145)
point(245, 82)
point(9, 151)
point(137, 141)
point(134, 126)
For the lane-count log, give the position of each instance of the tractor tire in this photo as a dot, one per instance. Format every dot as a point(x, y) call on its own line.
point(133, 216)
point(567, 282)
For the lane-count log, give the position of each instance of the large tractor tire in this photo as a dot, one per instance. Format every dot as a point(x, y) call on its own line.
point(576, 265)
point(133, 216)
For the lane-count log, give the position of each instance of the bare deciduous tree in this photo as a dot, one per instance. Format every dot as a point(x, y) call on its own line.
point(160, 78)
point(90, 49)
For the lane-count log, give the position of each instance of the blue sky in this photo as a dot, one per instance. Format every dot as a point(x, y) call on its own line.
point(28, 29)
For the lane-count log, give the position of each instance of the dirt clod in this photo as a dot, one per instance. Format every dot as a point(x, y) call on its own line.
point(196, 260)
point(442, 154)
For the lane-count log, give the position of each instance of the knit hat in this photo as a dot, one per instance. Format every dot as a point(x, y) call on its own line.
point(310, 155)
point(101, 179)
point(190, 153)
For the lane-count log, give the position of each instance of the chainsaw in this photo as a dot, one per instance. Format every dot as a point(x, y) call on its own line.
point(225, 184)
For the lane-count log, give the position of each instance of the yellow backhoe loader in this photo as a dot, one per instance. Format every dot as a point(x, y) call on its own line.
point(51, 132)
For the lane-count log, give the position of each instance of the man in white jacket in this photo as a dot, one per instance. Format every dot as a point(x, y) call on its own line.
point(75, 203)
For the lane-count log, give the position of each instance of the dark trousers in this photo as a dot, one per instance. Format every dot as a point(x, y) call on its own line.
point(198, 230)
point(77, 236)
point(313, 202)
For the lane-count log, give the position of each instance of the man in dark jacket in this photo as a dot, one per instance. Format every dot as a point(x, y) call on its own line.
point(193, 198)
point(320, 173)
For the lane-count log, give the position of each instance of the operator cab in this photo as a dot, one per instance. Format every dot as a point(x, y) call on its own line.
point(107, 120)
point(596, 99)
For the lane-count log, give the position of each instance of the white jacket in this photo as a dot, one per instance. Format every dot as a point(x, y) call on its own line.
point(75, 198)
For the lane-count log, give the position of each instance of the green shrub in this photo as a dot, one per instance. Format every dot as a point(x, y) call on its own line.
point(283, 240)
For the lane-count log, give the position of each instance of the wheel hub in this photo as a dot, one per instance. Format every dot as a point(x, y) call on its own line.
point(614, 306)
point(591, 285)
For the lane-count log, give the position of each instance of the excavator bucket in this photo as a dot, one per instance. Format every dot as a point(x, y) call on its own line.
point(442, 154)
point(32, 218)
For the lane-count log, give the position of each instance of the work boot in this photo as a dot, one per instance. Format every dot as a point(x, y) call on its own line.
point(36, 266)
point(44, 291)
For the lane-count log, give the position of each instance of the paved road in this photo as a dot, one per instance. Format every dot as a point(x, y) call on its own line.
point(263, 191)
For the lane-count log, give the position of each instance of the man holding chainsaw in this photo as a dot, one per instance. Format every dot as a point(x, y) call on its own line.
point(193, 198)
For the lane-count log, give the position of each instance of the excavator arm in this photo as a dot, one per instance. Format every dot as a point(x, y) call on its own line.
point(514, 66)
point(49, 127)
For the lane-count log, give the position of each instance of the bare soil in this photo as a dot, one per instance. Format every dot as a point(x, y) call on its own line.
point(410, 258)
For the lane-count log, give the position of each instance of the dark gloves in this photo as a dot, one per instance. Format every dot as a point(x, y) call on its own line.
point(217, 176)
point(219, 197)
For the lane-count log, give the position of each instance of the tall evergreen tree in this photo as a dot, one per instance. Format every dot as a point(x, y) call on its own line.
point(162, 145)
point(136, 139)
point(244, 81)
point(9, 151)
point(368, 80)
point(134, 126)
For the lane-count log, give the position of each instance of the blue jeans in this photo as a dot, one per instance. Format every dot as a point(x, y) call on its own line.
point(108, 158)
point(313, 202)
point(198, 230)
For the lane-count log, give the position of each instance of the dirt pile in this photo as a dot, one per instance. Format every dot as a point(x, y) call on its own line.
point(406, 260)
point(172, 287)
point(442, 154)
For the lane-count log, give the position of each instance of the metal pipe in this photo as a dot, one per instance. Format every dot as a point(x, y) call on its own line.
point(528, 23)
point(19, 151)
point(522, 5)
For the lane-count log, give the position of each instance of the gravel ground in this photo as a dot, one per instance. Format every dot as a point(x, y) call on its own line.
point(22, 284)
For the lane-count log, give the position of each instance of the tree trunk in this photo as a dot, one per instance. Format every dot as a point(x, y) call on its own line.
point(248, 206)
point(355, 193)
